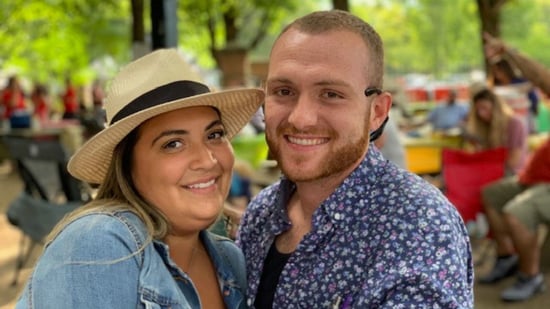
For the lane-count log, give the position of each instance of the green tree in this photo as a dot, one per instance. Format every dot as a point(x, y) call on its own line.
point(229, 29)
point(46, 40)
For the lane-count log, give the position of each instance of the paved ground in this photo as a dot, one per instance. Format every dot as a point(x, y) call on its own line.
point(486, 297)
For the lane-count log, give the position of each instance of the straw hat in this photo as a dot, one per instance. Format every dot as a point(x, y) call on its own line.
point(159, 82)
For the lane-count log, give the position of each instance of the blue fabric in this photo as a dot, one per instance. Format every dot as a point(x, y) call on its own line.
point(20, 120)
point(95, 262)
point(384, 238)
point(444, 117)
point(240, 186)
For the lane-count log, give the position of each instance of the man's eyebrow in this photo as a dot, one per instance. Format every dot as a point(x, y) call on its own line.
point(280, 80)
point(332, 82)
point(326, 82)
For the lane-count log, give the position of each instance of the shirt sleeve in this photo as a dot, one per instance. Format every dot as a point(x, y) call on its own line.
point(517, 133)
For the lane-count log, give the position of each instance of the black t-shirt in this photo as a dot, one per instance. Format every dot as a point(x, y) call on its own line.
point(273, 266)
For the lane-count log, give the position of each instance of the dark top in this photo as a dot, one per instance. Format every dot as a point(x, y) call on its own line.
point(273, 266)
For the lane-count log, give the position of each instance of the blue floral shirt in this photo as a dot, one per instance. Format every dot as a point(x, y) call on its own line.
point(384, 238)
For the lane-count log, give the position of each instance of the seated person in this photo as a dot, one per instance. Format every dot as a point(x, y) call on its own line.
point(514, 207)
point(492, 124)
point(446, 116)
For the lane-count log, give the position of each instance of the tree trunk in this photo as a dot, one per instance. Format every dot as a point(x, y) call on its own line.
point(139, 47)
point(340, 5)
point(234, 66)
point(489, 15)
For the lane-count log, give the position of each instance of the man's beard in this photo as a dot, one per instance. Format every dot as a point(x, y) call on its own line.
point(336, 161)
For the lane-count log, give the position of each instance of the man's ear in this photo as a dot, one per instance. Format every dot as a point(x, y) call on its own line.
point(380, 110)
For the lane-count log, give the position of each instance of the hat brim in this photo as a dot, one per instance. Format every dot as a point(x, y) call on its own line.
point(91, 161)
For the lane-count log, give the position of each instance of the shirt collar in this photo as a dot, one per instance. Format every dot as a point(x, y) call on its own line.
point(360, 181)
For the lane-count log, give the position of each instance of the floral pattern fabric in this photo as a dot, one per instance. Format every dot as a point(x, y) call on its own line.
point(384, 238)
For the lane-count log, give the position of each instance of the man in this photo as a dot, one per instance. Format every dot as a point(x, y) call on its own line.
point(532, 70)
point(446, 116)
point(344, 227)
point(515, 206)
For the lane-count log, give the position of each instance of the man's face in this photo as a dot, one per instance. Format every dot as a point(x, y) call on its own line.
point(317, 115)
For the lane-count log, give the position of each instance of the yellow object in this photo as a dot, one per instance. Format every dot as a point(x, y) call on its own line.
point(423, 159)
point(423, 155)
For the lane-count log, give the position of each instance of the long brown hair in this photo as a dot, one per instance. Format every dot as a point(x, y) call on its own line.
point(494, 133)
point(118, 193)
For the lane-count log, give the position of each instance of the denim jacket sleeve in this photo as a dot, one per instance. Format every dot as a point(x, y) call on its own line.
point(93, 263)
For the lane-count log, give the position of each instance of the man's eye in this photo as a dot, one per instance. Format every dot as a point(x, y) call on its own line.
point(332, 95)
point(283, 92)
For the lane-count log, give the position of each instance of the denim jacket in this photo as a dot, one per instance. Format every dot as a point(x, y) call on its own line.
point(96, 262)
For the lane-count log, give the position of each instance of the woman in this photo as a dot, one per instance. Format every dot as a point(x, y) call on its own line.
point(163, 166)
point(493, 124)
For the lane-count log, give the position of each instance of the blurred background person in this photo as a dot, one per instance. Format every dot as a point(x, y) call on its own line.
point(14, 103)
point(517, 91)
point(70, 100)
point(41, 103)
point(444, 117)
point(492, 124)
point(391, 144)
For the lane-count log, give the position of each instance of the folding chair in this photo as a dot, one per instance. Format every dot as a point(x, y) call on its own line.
point(49, 190)
point(464, 175)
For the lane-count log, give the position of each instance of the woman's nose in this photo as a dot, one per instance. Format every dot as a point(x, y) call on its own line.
point(203, 157)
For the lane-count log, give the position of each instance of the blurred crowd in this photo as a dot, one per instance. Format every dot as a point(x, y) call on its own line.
point(39, 107)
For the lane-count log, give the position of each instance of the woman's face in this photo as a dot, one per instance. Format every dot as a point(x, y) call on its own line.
point(182, 164)
point(484, 109)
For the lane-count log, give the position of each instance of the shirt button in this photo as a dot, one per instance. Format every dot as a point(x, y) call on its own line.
point(337, 216)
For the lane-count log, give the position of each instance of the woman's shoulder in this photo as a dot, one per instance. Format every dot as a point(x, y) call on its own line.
point(98, 230)
point(517, 125)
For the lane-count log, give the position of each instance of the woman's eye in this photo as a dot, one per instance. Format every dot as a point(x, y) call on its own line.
point(172, 144)
point(219, 134)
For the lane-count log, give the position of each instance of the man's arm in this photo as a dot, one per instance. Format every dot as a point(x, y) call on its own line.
point(532, 70)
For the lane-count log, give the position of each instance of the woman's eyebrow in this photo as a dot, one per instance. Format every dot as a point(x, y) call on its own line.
point(184, 132)
point(169, 132)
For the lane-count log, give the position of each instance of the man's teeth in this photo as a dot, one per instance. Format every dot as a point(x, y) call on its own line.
point(202, 185)
point(305, 141)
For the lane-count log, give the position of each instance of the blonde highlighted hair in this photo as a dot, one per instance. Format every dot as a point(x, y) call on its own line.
point(117, 193)
point(491, 134)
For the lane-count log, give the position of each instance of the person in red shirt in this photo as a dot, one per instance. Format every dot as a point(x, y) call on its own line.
point(70, 100)
point(515, 206)
point(13, 98)
point(40, 101)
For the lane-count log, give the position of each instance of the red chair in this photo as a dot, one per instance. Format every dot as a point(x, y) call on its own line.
point(464, 175)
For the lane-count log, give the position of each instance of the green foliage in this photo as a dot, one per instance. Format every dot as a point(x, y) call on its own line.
point(525, 26)
point(47, 40)
point(208, 25)
point(428, 36)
